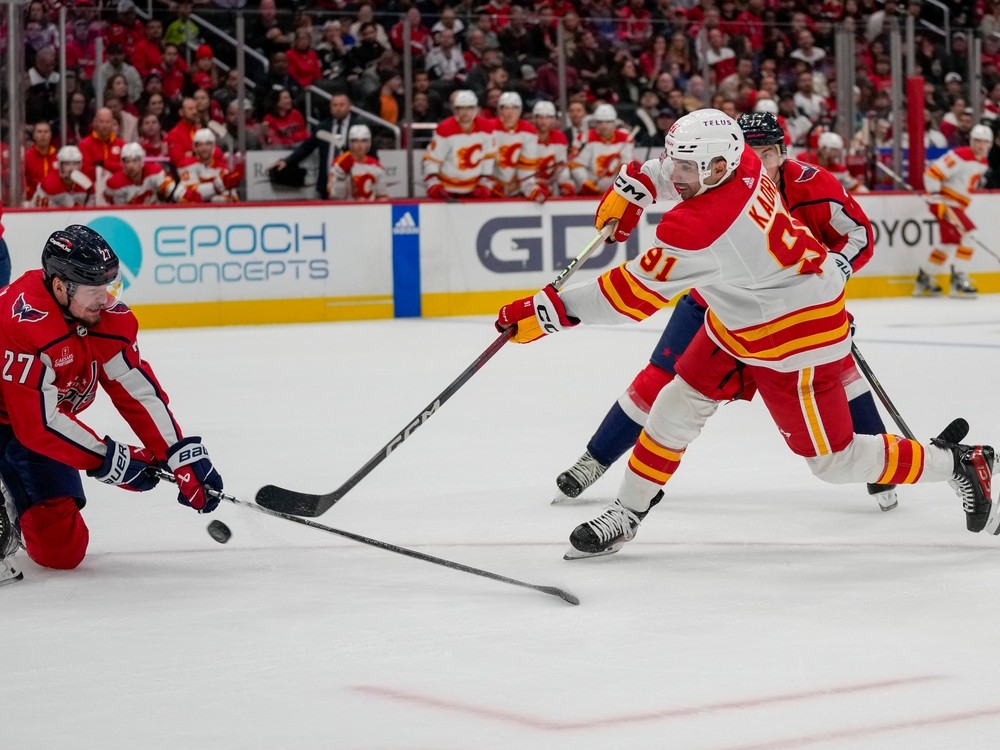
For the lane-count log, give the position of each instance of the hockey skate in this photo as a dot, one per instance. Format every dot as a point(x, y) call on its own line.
point(971, 478)
point(925, 286)
point(578, 477)
point(607, 533)
point(961, 286)
point(885, 494)
point(10, 542)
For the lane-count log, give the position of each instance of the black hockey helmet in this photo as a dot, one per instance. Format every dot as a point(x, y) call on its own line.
point(762, 129)
point(79, 255)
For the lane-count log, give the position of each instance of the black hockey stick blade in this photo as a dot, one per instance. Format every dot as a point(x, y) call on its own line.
point(310, 505)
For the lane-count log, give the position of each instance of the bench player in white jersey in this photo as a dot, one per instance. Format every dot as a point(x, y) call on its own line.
point(459, 159)
point(606, 148)
point(950, 181)
point(208, 178)
point(139, 182)
point(812, 196)
point(776, 323)
point(356, 175)
point(553, 152)
point(517, 152)
point(66, 186)
point(829, 154)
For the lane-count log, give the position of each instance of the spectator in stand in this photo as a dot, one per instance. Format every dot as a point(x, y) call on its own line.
point(152, 98)
point(459, 160)
point(139, 182)
point(807, 101)
point(475, 48)
point(79, 116)
point(116, 65)
point(357, 175)
point(953, 86)
point(366, 15)
point(435, 106)
point(66, 186)
point(423, 113)
point(303, 62)
point(807, 51)
point(387, 102)
point(881, 75)
point(484, 22)
point(332, 51)
point(39, 31)
point(39, 159)
point(576, 133)
point(126, 124)
point(182, 30)
point(334, 132)
point(151, 137)
point(961, 135)
point(720, 59)
point(363, 56)
point(446, 64)
point(42, 95)
point(103, 147)
point(209, 110)
point(447, 20)
point(653, 59)
point(680, 55)
point(589, 59)
point(421, 40)
point(928, 59)
point(950, 120)
point(173, 73)
point(628, 84)
point(147, 54)
point(81, 50)
point(229, 89)
point(229, 142)
point(117, 85)
point(203, 71)
point(284, 126)
point(543, 36)
point(958, 60)
point(547, 83)
point(266, 30)
point(636, 26)
point(126, 30)
point(515, 38)
point(478, 78)
point(180, 139)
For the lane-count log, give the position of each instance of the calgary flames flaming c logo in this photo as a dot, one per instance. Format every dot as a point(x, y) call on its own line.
point(469, 157)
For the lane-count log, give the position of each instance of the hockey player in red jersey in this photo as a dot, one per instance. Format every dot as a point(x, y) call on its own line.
point(606, 148)
point(65, 332)
point(356, 175)
point(776, 323)
point(517, 152)
point(66, 186)
point(553, 158)
point(139, 182)
point(950, 182)
point(459, 159)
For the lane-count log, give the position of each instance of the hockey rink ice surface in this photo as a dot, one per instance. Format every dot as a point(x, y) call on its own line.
point(757, 609)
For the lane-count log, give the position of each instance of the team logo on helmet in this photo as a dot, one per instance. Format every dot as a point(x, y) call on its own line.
point(24, 312)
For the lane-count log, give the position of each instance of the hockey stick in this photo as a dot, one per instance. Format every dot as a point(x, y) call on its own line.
point(310, 505)
point(566, 596)
point(880, 392)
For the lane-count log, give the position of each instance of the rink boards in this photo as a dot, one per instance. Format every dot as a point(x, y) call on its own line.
point(301, 262)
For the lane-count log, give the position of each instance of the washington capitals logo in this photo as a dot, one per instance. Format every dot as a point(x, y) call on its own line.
point(25, 312)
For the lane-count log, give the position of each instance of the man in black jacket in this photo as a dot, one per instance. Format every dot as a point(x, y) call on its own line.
point(330, 138)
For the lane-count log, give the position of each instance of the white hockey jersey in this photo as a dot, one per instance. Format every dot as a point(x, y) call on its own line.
point(461, 160)
point(598, 161)
point(776, 298)
point(553, 163)
point(53, 192)
point(361, 181)
point(955, 176)
point(154, 186)
point(516, 162)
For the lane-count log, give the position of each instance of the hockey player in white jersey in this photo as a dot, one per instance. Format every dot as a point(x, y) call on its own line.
point(459, 159)
point(950, 182)
point(604, 151)
point(776, 323)
point(66, 186)
point(208, 178)
point(356, 175)
point(139, 182)
point(517, 152)
point(552, 169)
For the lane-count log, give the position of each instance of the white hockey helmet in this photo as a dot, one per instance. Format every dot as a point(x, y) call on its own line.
point(702, 137)
point(133, 151)
point(465, 98)
point(981, 133)
point(605, 113)
point(543, 108)
point(203, 135)
point(69, 154)
point(510, 99)
point(831, 141)
point(766, 105)
point(359, 133)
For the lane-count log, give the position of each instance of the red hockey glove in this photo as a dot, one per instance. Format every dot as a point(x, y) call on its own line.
point(625, 200)
point(195, 475)
point(437, 192)
point(566, 189)
point(539, 194)
point(345, 161)
point(232, 179)
point(126, 466)
point(535, 316)
point(589, 187)
point(481, 192)
point(191, 195)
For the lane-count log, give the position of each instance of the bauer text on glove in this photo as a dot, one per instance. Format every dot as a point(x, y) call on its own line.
point(127, 467)
point(195, 475)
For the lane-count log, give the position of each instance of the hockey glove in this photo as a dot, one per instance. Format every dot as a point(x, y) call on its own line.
point(126, 466)
point(625, 200)
point(195, 475)
point(589, 187)
point(539, 194)
point(437, 192)
point(535, 316)
point(567, 189)
point(842, 265)
point(482, 192)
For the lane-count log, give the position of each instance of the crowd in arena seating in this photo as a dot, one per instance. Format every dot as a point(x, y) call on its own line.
point(168, 82)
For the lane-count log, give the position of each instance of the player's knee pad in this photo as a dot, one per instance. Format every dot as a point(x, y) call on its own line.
point(646, 386)
point(860, 461)
point(679, 414)
point(54, 533)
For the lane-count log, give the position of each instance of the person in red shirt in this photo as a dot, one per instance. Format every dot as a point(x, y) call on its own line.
point(303, 62)
point(126, 30)
point(180, 140)
point(151, 137)
point(81, 52)
point(283, 124)
point(103, 147)
point(173, 72)
point(147, 54)
point(39, 160)
point(421, 39)
point(203, 73)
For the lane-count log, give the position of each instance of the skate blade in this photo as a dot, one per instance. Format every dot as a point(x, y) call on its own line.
point(574, 554)
point(562, 497)
point(9, 574)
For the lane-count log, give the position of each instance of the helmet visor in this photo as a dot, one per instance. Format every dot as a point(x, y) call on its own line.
point(108, 295)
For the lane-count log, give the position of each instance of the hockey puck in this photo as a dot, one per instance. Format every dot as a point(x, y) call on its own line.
point(219, 532)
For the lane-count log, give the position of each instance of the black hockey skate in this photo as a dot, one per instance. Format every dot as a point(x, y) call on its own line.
point(972, 477)
point(607, 533)
point(10, 542)
point(885, 495)
point(925, 286)
point(579, 477)
point(961, 287)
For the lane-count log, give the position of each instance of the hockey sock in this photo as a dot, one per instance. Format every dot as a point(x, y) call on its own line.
point(865, 416)
point(616, 435)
